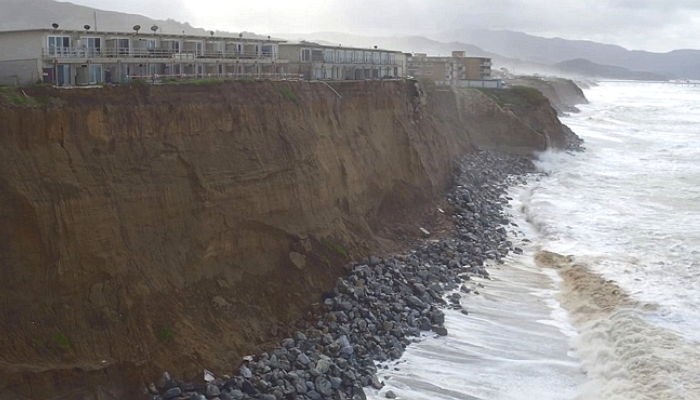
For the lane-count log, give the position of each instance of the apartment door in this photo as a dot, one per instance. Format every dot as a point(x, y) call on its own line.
point(63, 75)
point(93, 46)
point(95, 74)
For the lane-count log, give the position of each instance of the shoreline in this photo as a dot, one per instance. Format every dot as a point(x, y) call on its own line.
point(381, 306)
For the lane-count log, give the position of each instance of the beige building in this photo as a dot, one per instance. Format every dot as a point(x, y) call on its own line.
point(457, 70)
point(69, 57)
point(310, 60)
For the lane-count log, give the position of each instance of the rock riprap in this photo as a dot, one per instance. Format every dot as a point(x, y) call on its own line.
point(383, 304)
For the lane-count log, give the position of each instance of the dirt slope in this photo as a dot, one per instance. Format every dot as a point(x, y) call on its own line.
point(177, 227)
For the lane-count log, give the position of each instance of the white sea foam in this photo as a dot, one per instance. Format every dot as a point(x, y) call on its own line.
point(628, 209)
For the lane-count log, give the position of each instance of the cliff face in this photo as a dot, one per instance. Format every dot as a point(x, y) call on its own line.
point(179, 227)
point(515, 121)
point(563, 94)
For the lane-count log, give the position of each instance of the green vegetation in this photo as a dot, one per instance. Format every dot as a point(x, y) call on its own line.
point(17, 97)
point(62, 341)
point(336, 247)
point(516, 96)
point(289, 94)
point(165, 334)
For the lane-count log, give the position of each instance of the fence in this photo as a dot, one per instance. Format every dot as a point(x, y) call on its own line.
point(166, 78)
point(75, 52)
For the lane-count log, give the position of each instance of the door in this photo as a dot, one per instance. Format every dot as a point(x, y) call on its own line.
point(95, 74)
point(63, 75)
point(93, 46)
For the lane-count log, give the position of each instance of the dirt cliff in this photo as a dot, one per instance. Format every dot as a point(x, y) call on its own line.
point(513, 121)
point(178, 227)
point(563, 94)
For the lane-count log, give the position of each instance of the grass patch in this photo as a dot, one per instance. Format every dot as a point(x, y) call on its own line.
point(517, 96)
point(62, 341)
point(336, 247)
point(17, 97)
point(288, 94)
point(165, 334)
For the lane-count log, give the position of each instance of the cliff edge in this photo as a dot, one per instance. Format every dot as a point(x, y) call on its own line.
point(179, 227)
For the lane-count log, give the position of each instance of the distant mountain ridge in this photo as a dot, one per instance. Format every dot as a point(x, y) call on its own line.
point(684, 64)
point(35, 14)
point(419, 44)
point(583, 67)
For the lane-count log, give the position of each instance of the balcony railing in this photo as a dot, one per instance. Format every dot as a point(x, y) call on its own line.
point(72, 52)
point(165, 78)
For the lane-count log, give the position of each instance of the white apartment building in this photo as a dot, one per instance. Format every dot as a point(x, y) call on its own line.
point(70, 57)
point(311, 60)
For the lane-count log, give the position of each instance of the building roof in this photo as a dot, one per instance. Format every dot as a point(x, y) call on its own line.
point(421, 56)
point(338, 47)
point(144, 33)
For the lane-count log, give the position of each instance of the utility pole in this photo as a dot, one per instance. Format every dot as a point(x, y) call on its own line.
point(94, 15)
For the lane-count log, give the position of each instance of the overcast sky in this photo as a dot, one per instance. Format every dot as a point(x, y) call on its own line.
point(657, 25)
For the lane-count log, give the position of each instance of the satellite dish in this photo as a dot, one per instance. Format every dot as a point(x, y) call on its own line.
point(54, 25)
point(375, 46)
point(87, 27)
point(137, 28)
point(154, 28)
point(240, 35)
point(211, 33)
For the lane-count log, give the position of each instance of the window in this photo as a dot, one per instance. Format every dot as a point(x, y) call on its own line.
point(268, 50)
point(93, 46)
point(328, 56)
point(122, 47)
point(59, 45)
point(305, 55)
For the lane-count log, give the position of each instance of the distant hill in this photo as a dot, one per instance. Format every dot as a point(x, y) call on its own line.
point(29, 14)
point(419, 44)
point(586, 68)
point(675, 64)
point(409, 44)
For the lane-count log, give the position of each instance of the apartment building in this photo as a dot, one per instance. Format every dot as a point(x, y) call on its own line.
point(311, 60)
point(70, 57)
point(456, 70)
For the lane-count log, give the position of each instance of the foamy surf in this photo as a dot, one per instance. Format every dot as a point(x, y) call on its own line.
point(513, 344)
point(625, 356)
point(613, 311)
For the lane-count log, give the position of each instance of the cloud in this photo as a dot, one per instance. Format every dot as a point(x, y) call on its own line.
point(650, 24)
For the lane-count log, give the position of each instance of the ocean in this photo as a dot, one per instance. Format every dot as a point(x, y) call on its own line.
point(613, 312)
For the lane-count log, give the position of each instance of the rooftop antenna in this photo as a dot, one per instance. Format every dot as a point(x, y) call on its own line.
point(154, 28)
point(137, 28)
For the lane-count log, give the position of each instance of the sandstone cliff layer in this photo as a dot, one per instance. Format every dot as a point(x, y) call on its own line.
point(178, 227)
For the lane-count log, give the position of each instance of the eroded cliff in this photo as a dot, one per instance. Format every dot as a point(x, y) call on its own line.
point(177, 227)
point(563, 94)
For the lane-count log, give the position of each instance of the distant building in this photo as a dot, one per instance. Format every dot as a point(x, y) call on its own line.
point(457, 70)
point(311, 60)
point(69, 57)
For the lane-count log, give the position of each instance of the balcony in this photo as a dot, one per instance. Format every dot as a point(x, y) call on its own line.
point(83, 53)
